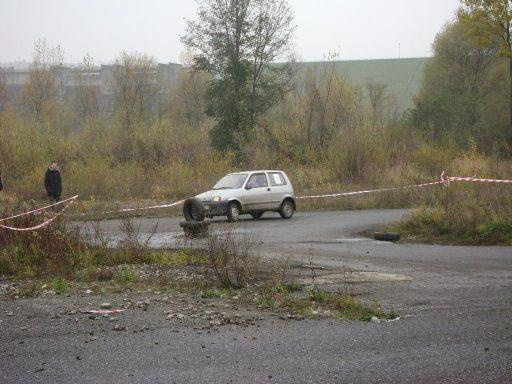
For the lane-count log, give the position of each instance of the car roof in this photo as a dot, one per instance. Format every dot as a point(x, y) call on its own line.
point(256, 171)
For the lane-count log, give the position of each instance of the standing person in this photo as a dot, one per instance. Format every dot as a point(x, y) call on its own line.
point(1, 182)
point(53, 182)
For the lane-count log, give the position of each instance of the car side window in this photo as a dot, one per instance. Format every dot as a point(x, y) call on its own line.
point(276, 179)
point(257, 180)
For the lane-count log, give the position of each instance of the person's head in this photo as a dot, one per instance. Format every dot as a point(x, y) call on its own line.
point(53, 165)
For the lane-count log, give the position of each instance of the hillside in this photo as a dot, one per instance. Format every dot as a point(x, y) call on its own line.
point(403, 76)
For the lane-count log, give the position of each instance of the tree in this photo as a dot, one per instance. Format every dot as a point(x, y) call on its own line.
point(326, 98)
point(238, 41)
point(87, 90)
point(489, 22)
point(134, 83)
point(43, 88)
point(188, 97)
point(377, 97)
point(458, 85)
point(3, 90)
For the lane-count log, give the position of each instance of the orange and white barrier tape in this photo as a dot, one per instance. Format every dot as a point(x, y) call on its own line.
point(372, 190)
point(445, 180)
point(40, 209)
point(476, 180)
point(69, 201)
point(123, 210)
point(143, 208)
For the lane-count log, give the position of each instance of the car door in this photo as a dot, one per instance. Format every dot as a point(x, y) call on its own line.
point(278, 188)
point(256, 192)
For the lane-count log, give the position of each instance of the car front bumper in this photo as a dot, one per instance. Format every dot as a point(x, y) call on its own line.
point(215, 208)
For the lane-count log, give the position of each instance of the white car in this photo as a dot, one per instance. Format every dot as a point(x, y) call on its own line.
point(251, 192)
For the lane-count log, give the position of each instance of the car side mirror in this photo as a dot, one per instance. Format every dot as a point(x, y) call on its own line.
point(247, 187)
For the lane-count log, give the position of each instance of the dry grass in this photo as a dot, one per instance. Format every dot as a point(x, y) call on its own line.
point(233, 257)
point(53, 250)
point(463, 214)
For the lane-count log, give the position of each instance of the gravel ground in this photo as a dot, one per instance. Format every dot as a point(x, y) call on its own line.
point(455, 302)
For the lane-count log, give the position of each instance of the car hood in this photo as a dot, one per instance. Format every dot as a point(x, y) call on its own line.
point(225, 194)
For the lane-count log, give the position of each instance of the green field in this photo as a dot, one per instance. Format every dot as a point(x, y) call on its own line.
point(402, 76)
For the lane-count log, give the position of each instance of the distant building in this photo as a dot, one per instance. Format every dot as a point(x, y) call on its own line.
point(67, 79)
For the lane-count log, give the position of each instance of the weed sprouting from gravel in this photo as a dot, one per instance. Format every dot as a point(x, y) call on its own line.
point(189, 258)
point(233, 258)
point(133, 239)
point(214, 293)
point(289, 287)
point(314, 303)
point(59, 285)
point(125, 276)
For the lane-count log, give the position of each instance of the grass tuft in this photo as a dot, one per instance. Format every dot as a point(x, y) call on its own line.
point(126, 276)
point(214, 293)
point(59, 285)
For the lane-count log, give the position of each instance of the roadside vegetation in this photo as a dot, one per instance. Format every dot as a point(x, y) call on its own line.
point(461, 213)
point(161, 140)
point(228, 268)
point(447, 225)
point(480, 215)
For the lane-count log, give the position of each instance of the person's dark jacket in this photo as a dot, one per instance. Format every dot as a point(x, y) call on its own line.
point(53, 183)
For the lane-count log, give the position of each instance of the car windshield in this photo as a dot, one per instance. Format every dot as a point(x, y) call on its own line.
point(232, 181)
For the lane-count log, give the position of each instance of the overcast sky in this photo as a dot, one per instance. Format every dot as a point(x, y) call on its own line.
point(358, 29)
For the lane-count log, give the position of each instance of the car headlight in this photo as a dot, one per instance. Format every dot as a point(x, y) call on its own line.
point(217, 198)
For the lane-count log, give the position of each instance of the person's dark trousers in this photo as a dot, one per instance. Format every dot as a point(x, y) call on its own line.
point(53, 184)
point(54, 199)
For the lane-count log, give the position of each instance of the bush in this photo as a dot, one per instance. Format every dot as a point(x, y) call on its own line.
point(432, 159)
point(496, 232)
point(232, 258)
point(61, 252)
point(50, 251)
point(464, 214)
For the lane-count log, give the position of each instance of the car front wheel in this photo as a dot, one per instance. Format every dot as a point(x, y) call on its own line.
point(233, 212)
point(287, 209)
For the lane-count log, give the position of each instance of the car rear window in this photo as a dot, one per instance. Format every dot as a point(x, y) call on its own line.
point(277, 179)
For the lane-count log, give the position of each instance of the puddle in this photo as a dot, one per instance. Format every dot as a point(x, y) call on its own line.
point(352, 239)
point(334, 241)
point(360, 277)
point(159, 240)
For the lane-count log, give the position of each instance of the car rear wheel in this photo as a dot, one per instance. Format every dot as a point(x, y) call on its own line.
point(233, 212)
point(257, 215)
point(287, 209)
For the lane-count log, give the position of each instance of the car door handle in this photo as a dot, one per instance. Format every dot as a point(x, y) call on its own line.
point(268, 189)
